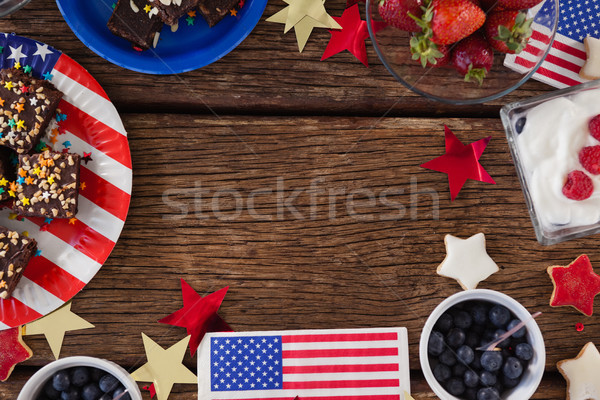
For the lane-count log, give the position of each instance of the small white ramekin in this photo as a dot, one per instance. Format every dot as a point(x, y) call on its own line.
point(35, 384)
point(532, 376)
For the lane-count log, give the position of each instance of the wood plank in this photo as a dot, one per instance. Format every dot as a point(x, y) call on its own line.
point(264, 75)
point(364, 267)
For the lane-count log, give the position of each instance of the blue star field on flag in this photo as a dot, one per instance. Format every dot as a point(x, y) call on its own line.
point(40, 57)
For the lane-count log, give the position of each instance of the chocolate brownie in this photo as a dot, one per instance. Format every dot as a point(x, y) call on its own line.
point(135, 21)
point(15, 252)
point(171, 10)
point(214, 11)
point(27, 105)
point(47, 185)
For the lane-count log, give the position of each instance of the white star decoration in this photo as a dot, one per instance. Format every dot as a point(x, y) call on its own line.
point(467, 261)
point(16, 53)
point(42, 51)
point(33, 101)
point(581, 374)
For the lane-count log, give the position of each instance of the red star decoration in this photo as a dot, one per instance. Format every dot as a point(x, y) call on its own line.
point(25, 89)
point(351, 37)
point(12, 351)
point(575, 285)
point(198, 315)
point(241, 4)
point(460, 162)
point(151, 389)
point(87, 157)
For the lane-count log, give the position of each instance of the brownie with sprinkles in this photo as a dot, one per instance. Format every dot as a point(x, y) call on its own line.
point(214, 11)
point(27, 105)
point(171, 10)
point(15, 252)
point(136, 21)
point(47, 185)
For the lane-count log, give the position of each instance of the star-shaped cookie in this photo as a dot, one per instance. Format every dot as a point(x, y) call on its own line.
point(581, 374)
point(467, 261)
point(575, 285)
point(12, 351)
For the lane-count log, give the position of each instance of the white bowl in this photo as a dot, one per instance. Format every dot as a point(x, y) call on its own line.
point(531, 377)
point(35, 384)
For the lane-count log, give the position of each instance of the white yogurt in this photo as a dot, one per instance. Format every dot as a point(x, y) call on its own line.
point(549, 147)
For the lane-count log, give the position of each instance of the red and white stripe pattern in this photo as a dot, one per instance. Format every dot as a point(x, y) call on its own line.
point(567, 55)
point(74, 251)
point(353, 364)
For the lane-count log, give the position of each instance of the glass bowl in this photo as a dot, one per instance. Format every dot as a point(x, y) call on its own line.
point(9, 6)
point(543, 157)
point(444, 83)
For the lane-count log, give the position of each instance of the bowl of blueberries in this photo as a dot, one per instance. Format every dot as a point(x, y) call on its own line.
point(81, 378)
point(455, 352)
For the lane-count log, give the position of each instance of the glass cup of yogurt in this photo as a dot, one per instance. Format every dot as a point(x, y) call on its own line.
point(546, 135)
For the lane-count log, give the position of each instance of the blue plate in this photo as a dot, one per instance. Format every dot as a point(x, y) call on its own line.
point(191, 47)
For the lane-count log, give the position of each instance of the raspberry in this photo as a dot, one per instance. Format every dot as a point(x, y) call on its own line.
point(578, 186)
point(595, 127)
point(589, 157)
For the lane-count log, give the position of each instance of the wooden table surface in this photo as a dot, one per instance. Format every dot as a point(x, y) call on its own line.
point(286, 130)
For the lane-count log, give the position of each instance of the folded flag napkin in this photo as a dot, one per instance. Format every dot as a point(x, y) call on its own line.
point(349, 364)
point(577, 19)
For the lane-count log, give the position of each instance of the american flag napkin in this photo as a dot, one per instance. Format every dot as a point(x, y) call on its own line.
point(577, 19)
point(347, 364)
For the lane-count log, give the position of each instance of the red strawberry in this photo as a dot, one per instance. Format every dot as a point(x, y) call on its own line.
point(444, 22)
point(517, 4)
point(454, 20)
point(488, 5)
point(589, 157)
point(578, 186)
point(396, 13)
point(508, 31)
point(595, 127)
point(473, 57)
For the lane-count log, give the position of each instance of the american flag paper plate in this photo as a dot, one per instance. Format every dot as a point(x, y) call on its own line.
point(347, 364)
point(72, 251)
point(577, 19)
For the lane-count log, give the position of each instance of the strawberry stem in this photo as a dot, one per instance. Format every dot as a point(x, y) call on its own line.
point(477, 74)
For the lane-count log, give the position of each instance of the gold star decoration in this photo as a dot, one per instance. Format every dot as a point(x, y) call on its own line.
point(304, 27)
point(407, 396)
point(300, 9)
point(54, 326)
point(164, 367)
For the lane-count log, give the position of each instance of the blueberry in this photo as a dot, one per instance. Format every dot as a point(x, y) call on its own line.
point(510, 383)
point(108, 383)
point(106, 396)
point(448, 358)
point(465, 354)
point(524, 351)
point(497, 334)
point(80, 376)
point(491, 360)
point(488, 393)
point(444, 323)
point(50, 392)
point(470, 394)
point(499, 316)
point(436, 344)
point(71, 394)
point(463, 320)
point(41, 397)
point(61, 381)
point(119, 391)
point(487, 378)
point(518, 334)
point(476, 364)
point(512, 368)
point(455, 338)
point(479, 313)
point(96, 374)
point(520, 124)
point(455, 386)
point(91, 391)
point(470, 378)
point(441, 372)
